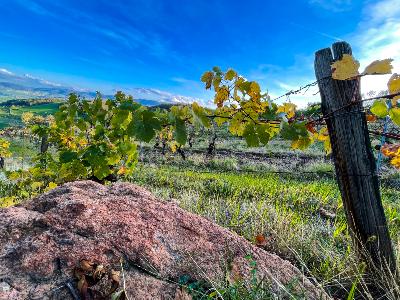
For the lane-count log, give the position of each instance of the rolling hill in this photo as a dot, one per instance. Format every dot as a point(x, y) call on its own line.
point(15, 86)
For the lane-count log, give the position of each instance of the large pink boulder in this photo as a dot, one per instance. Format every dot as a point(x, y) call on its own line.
point(42, 241)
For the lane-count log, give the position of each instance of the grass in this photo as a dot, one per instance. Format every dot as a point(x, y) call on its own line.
point(11, 117)
point(286, 209)
point(242, 193)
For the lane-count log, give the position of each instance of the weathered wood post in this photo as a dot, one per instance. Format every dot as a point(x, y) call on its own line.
point(353, 158)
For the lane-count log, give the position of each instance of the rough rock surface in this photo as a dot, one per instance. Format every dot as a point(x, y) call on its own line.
point(42, 240)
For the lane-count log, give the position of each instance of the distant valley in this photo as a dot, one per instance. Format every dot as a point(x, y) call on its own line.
point(15, 86)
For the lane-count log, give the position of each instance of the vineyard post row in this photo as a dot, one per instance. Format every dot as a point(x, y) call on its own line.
point(354, 161)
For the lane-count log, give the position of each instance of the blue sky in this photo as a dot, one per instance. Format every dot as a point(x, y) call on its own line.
point(106, 45)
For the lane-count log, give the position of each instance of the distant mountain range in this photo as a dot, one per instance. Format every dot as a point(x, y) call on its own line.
point(14, 86)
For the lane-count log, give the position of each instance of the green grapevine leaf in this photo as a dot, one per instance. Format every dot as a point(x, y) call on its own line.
point(379, 108)
point(113, 158)
point(250, 135)
point(394, 114)
point(180, 131)
point(294, 131)
point(101, 170)
point(263, 132)
point(144, 125)
point(237, 124)
point(302, 143)
point(120, 119)
point(68, 156)
point(199, 112)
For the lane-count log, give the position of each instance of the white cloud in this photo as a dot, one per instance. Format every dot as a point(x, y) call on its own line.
point(162, 96)
point(44, 81)
point(6, 72)
point(378, 37)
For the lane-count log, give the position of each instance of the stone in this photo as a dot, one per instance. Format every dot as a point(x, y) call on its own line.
point(44, 239)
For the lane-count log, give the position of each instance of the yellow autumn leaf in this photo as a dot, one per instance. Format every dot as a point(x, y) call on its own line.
point(82, 142)
point(394, 87)
point(221, 96)
point(35, 185)
point(327, 146)
point(396, 161)
point(346, 68)
point(288, 108)
point(390, 150)
point(323, 136)
point(237, 124)
point(230, 74)
point(255, 91)
point(383, 66)
point(207, 78)
point(51, 185)
point(302, 143)
point(174, 147)
point(122, 170)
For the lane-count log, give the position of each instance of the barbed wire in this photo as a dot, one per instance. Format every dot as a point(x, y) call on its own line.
point(333, 113)
point(293, 92)
point(389, 135)
point(304, 87)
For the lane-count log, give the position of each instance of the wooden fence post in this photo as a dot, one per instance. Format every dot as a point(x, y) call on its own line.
point(353, 158)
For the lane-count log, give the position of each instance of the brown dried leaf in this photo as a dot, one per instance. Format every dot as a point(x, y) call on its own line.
point(86, 265)
point(115, 275)
point(260, 240)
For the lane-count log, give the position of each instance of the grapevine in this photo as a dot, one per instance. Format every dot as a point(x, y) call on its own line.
point(98, 139)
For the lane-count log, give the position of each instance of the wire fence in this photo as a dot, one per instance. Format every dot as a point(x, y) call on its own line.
point(342, 111)
point(322, 118)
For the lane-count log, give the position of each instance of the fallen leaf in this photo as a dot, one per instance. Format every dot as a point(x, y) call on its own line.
point(260, 240)
point(86, 265)
point(115, 275)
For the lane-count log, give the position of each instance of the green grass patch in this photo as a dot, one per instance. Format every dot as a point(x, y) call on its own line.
point(286, 209)
point(11, 116)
